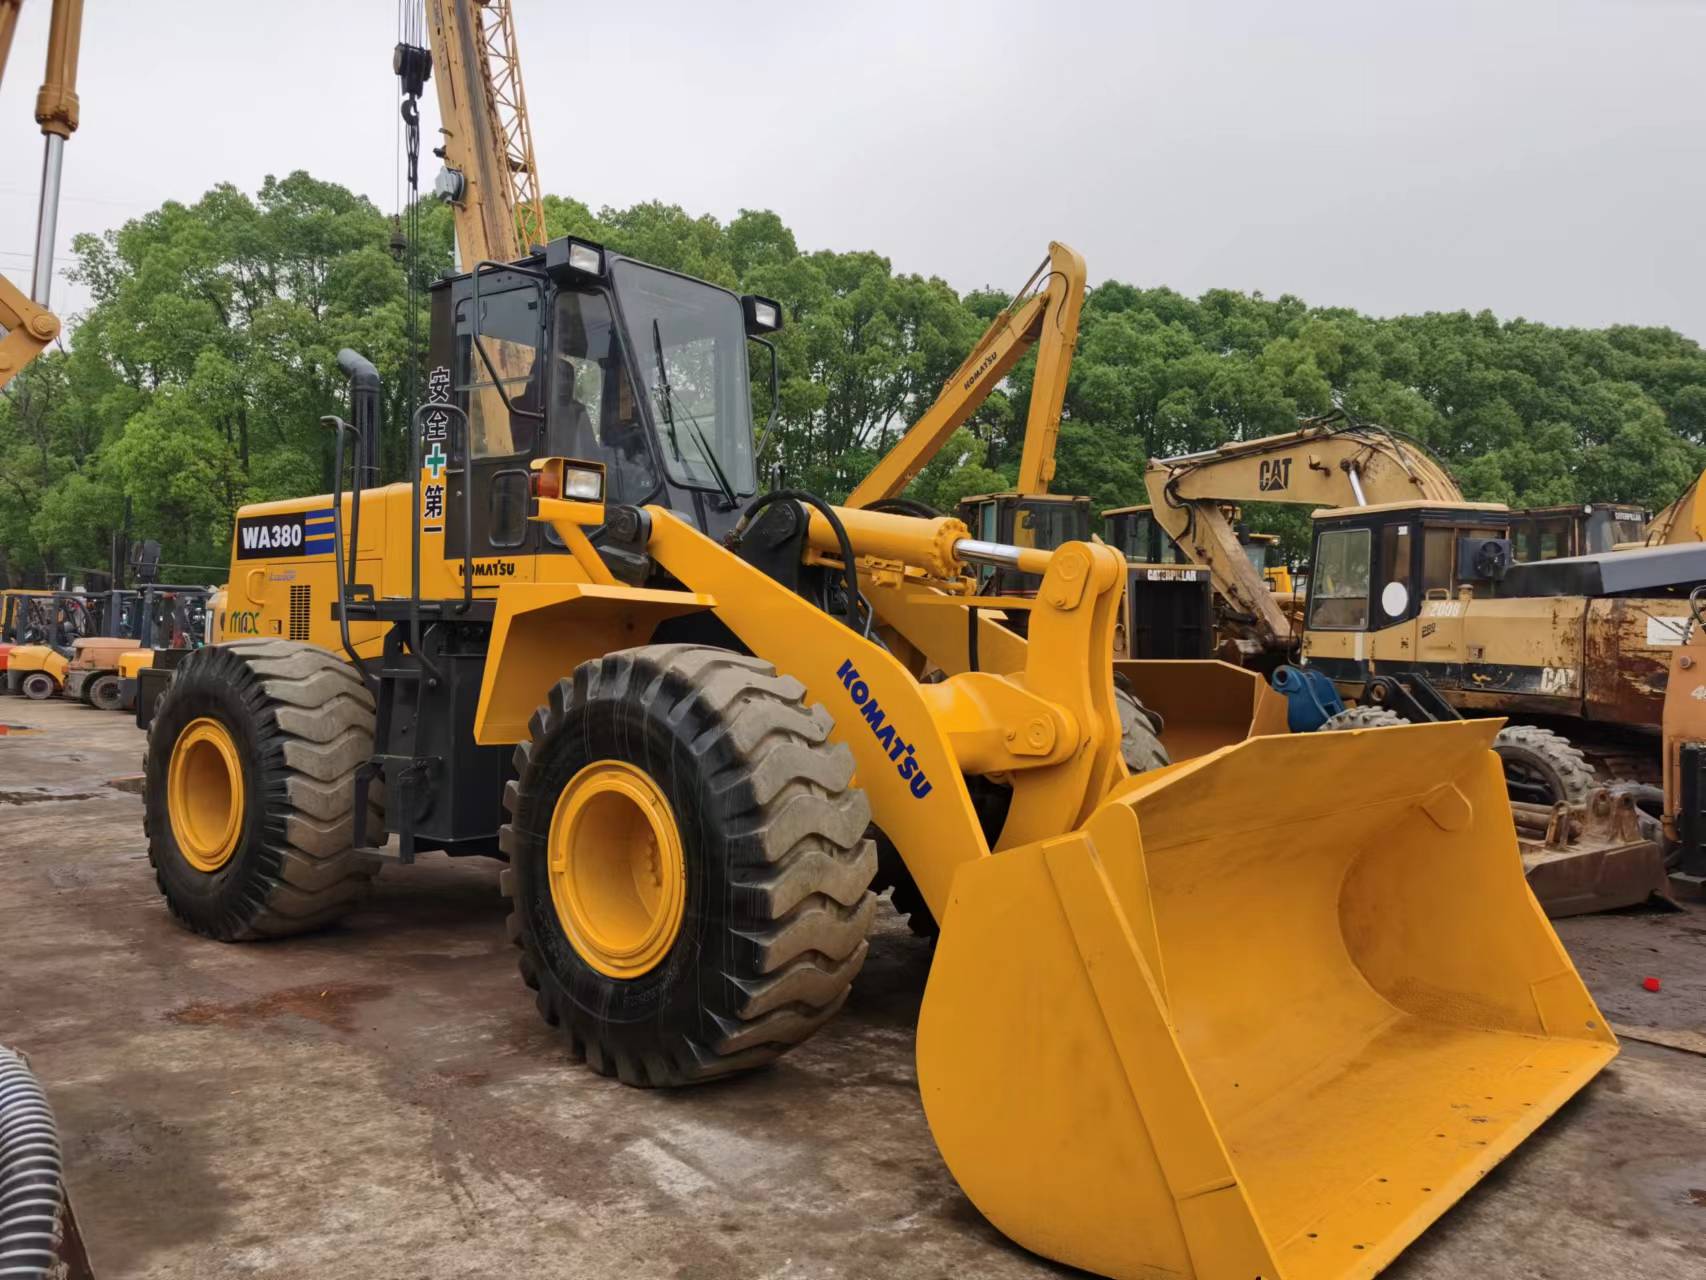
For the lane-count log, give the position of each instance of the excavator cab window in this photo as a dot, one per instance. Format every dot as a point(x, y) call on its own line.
point(1338, 597)
point(1140, 538)
point(1050, 524)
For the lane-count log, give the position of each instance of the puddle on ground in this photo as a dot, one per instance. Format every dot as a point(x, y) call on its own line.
point(43, 795)
point(331, 1004)
point(16, 730)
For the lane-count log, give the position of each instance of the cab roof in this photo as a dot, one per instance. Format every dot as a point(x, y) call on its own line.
point(1418, 506)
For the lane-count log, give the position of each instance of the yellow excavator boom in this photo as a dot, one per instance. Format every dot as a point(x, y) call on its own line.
point(1044, 314)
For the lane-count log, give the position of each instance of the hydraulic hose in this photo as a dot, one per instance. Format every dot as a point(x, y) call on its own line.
point(32, 1175)
point(858, 608)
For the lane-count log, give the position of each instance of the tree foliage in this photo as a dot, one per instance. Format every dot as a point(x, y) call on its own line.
point(196, 380)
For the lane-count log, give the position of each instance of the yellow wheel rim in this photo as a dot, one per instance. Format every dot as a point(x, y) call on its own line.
point(616, 868)
point(204, 794)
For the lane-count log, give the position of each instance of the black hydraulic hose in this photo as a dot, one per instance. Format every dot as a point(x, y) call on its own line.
point(32, 1175)
point(857, 606)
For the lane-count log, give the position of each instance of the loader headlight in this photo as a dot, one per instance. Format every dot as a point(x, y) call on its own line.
point(569, 478)
point(763, 315)
point(583, 483)
point(573, 258)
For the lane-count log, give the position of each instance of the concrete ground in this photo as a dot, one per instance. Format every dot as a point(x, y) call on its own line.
point(381, 1100)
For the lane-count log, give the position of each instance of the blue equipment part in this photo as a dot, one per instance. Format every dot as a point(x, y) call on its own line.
point(1310, 698)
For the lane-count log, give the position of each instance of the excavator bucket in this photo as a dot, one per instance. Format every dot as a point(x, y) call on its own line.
point(1269, 1013)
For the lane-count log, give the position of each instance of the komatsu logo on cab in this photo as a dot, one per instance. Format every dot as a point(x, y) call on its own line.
point(900, 751)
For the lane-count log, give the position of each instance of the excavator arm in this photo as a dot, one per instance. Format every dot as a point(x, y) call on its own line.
point(26, 325)
point(1329, 462)
point(1044, 314)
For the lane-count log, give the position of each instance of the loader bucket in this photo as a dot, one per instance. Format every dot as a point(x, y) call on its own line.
point(1267, 1014)
point(1206, 704)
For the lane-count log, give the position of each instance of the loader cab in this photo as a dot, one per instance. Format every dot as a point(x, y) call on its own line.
point(583, 353)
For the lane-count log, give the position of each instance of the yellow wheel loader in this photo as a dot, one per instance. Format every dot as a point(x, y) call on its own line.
point(1219, 1019)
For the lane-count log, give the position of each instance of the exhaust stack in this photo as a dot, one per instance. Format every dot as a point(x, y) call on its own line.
point(364, 414)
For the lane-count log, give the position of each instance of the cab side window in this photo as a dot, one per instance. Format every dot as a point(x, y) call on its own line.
point(1338, 594)
point(509, 328)
point(1396, 582)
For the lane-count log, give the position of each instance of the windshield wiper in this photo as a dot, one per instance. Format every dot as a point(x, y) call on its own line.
point(692, 422)
point(663, 384)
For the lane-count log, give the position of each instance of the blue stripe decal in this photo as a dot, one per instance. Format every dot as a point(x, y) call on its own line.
point(316, 546)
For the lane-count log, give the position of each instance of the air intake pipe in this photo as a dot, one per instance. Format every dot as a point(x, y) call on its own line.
point(364, 414)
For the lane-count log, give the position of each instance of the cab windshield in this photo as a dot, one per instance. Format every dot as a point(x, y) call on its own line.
point(688, 345)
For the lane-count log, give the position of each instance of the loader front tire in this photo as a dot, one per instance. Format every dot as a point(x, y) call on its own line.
point(38, 686)
point(248, 786)
point(689, 874)
point(1543, 767)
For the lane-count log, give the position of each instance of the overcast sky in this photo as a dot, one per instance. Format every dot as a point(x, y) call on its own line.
point(1537, 157)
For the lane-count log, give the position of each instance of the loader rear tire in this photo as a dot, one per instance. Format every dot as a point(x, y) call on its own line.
point(1361, 718)
point(103, 694)
point(1543, 767)
point(38, 686)
point(733, 925)
point(248, 786)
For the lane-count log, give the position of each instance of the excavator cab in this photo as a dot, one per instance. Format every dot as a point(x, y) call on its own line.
point(1390, 584)
point(1575, 529)
point(1044, 521)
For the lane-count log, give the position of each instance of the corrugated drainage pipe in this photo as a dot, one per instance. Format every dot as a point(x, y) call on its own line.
point(32, 1175)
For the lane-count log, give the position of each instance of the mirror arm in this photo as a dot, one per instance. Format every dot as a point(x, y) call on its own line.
point(775, 399)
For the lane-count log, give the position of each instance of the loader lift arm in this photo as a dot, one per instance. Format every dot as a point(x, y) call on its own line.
point(1328, 462)
point(1043, 314)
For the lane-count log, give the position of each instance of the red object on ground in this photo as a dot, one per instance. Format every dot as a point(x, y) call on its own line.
point(1651, 984)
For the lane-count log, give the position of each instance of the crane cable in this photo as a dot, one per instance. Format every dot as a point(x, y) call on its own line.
point(412, 62)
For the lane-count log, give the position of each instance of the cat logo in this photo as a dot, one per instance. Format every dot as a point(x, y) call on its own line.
point(1275, 474)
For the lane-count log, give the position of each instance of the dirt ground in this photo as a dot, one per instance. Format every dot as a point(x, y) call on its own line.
point(382, 1101)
